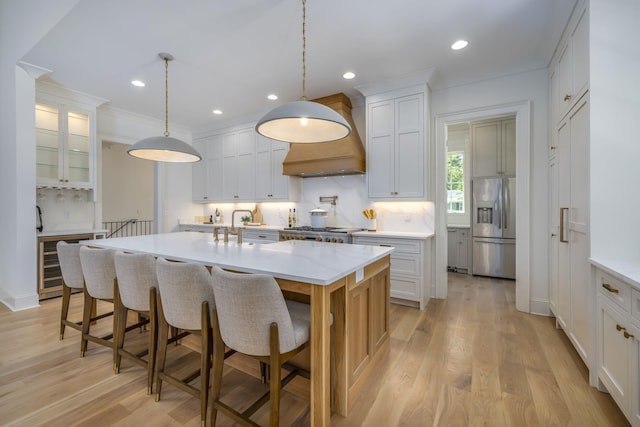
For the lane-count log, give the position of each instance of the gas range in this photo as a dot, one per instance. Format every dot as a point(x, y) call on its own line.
point(326, 234)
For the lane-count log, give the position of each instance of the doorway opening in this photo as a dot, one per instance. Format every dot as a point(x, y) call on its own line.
point(522, 129)
point(127, 192)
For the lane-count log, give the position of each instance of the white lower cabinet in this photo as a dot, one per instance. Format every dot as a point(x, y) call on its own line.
point(410, 267)
point(458, 249)
point(618, 343)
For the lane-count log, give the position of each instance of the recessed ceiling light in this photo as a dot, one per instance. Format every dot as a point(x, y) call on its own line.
point(217, 112)
point(272, 97)
point(348, 75)
point(138, 83)
point(460, 44)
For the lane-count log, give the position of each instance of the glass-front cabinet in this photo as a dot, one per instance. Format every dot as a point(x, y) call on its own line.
point(64, 146)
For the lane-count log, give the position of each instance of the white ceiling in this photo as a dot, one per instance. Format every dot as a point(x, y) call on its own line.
point(231, 54)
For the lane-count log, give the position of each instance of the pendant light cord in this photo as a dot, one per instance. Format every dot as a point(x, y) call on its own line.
point(166, 97)
point(304, 50)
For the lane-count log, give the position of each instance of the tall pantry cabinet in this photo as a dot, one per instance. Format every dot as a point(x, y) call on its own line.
point(569, 269)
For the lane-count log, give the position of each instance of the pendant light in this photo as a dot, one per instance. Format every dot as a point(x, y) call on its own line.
point(303, 121)
point(164, 148)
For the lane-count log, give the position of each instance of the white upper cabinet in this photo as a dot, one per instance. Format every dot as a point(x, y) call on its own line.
point(271, 184)
point(494, 147)
point(571, 72)
point(207, 173)
point(240, 165)
point(396, 132)
point(238, 158)
point(65, 146)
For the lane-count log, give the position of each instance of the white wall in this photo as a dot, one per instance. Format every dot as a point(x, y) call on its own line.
point(505, 90)
point(20, 29)
point(127, 185)
point(615, 129)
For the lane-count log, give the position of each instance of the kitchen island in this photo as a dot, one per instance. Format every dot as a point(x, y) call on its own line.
point(349, 281)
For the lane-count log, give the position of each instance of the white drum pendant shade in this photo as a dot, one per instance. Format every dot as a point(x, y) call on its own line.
point(164, 149)
point(303, 122)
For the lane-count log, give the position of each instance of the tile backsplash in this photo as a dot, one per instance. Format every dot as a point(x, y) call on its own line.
point(65, 209)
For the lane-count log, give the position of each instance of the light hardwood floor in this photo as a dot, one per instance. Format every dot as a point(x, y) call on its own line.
point(472, 360)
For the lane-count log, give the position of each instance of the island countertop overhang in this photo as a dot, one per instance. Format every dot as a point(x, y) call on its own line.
point(311, 262)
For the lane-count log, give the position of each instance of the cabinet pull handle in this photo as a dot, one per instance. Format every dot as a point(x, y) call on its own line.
point(620, 328)
point(610, 288)
point(386, 246)
point(567, 97)
point(627, 335)
point(563, 219)
point(553, 148)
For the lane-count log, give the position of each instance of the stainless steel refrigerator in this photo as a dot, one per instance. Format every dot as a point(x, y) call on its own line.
point(494, 227)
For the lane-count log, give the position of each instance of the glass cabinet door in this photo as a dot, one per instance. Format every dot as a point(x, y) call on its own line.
point(63, 147)
point(48, 145)
point(77, 150)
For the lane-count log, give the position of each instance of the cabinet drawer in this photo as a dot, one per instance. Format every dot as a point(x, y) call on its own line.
point(615, 290)
point(406, 264)
point(405, 287)
point(266, 235)
point(635, 304)
point(400, 245)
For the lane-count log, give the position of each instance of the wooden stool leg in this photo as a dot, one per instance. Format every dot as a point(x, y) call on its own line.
point(66, 297)
point(163, 332)
point(218, 366)
point(120, 325)
point(205, 362)
point(275, 373)
point(89, 303)
point(153, 338)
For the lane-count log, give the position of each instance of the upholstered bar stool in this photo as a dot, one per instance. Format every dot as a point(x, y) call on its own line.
point(72, 280)
point(136, 289)
point(252, 317)
point(185, 302)
point(99, 272)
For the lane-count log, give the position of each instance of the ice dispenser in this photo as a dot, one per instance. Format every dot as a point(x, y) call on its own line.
point(484, 214)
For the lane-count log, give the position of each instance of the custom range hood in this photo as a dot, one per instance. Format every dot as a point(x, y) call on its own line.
point(345, 156)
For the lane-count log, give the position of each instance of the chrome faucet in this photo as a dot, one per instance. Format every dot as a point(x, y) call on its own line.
point(233, 217)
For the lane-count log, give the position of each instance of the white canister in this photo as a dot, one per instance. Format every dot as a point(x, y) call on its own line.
point(318, 218)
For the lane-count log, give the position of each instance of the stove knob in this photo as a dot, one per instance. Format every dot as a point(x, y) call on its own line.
point(340, 241)
point(326, 239)
point(333, 240)
point(318, 239)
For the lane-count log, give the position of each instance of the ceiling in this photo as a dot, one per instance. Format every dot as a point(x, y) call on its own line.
point(230, 55)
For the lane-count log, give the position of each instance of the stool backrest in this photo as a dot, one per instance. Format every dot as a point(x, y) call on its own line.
point(69, 258)
point(99, 271)
point(136, 274)
point(184, 286)
point(247, 304)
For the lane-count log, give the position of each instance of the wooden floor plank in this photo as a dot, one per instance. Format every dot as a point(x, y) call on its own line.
point(470, 360)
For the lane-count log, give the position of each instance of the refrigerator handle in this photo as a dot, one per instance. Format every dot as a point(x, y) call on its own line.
point(505, 200)
point(499, 207)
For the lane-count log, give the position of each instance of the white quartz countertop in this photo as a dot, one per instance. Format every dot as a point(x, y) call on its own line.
point(627, 271)
point(395, 234)
point(303, 261)
point(72, 232)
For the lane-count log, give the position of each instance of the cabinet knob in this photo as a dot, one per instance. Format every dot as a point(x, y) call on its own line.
point(553, 234)
point(567, 97)
point(205, 197)
point(235, 196)
point(553, 148)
